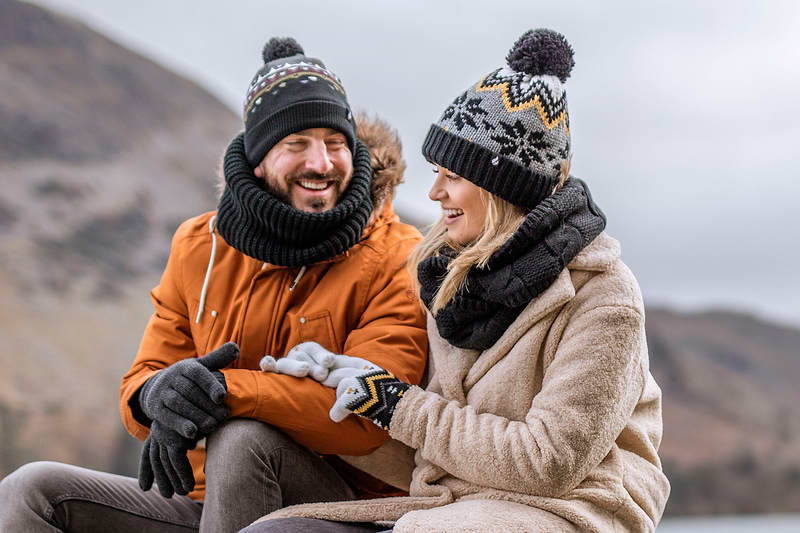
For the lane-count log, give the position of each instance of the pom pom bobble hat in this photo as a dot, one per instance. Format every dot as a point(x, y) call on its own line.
point(290, 93)
point(509, 133)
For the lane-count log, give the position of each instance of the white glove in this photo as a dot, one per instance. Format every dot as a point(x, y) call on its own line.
point(311, 359)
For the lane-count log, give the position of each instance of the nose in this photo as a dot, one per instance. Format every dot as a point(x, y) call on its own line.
point(438, 192)
point(317, 158)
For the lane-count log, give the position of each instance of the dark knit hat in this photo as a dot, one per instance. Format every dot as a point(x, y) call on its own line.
point(509, 133)
point(290, 93)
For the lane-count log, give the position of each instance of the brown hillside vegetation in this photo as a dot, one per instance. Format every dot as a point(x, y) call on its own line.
point(731, 426)
point(102, 154)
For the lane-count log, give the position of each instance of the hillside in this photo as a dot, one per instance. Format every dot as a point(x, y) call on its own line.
point(102, 154)
point(731, 426)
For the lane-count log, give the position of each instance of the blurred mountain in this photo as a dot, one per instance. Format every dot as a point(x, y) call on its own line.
point(731, 424)
point(103, 153)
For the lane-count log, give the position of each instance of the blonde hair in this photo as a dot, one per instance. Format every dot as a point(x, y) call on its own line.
point(502, 221)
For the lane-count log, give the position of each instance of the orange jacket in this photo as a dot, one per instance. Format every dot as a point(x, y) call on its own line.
point(359, 303)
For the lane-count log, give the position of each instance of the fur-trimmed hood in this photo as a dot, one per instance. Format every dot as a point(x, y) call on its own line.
point(386, 151)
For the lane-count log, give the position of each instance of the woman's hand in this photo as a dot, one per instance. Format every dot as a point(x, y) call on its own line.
point(362, 388)
point(371, 394)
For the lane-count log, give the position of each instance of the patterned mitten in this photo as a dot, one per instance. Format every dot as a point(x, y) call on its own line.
point(373, 394)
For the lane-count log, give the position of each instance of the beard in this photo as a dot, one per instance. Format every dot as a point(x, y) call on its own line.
point(337, 181)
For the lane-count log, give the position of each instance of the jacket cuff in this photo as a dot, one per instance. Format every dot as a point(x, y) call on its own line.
point(136, 408)
point(410, 420)
point(137, 428)
point(243, 394)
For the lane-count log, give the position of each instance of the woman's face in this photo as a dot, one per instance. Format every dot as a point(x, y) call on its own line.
point(463, 208)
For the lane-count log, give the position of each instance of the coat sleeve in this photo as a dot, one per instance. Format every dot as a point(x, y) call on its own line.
point(167, 338)
point(589, 392)
point(390, 333)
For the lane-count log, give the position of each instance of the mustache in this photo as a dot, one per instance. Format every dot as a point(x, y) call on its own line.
point(333, 175)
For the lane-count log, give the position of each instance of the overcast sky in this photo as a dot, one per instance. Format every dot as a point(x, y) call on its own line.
point(684, 114)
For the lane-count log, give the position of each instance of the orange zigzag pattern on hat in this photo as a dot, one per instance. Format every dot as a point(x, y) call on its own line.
point(535, 101)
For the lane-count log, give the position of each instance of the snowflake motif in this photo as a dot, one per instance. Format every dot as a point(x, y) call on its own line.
point(464, 111)
point(562, 154)
point(516, 139)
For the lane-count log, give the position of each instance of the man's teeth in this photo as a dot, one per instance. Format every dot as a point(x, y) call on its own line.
point(314, 185)
point(453, 212)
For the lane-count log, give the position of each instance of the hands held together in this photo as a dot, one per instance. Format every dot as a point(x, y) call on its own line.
point(362, 388)
point(185, 403)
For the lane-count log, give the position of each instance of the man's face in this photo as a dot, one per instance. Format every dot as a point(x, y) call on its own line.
point(308, 169)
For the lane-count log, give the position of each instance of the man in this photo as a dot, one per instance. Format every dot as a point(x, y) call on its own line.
point(304, 247)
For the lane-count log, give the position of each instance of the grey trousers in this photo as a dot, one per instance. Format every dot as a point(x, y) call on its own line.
point(251, 469)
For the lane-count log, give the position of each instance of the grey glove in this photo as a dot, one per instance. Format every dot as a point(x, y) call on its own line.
point(164, 459)
point(188, 397)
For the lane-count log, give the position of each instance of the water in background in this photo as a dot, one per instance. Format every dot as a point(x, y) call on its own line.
point(733, 524)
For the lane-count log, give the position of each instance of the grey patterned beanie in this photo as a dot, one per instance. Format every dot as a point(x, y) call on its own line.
point(509, 133)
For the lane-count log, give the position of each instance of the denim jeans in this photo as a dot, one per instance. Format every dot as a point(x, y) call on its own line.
point(251, 469)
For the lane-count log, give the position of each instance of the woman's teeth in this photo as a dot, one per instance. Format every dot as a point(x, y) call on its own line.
point(452, 212)
point(314, 185)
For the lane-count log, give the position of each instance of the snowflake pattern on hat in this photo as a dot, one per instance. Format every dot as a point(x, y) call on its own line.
point(509, 133)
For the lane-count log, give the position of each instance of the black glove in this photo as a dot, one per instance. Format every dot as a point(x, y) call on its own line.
point(188, 397)
point(164, 459)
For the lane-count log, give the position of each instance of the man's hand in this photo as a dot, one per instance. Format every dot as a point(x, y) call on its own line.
point(164, 459)
point(311, 359)
point(188, 397)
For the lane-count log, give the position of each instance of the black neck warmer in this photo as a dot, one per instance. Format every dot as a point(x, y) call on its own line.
point(549, 238)
point(257, 224)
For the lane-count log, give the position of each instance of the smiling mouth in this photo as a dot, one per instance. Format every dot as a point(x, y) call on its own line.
point(314, 185)
point(452, 213)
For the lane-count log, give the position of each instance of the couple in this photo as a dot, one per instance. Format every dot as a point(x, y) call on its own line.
point(536, 412)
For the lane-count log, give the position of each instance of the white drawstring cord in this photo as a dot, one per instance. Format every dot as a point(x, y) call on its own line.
point(297, 279)
point(212, 224)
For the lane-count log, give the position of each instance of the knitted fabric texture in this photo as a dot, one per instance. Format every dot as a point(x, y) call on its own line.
point(188, 396)
point(164, 461)
point(509, 133)
point(381, 392)
point(291, 93)
point(260, 225)
point(491, 299)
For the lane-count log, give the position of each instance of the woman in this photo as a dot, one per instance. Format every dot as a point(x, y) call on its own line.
point(540, 413)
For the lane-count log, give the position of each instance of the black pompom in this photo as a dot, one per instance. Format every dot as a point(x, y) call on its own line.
point(280, 47)
point(541, 52)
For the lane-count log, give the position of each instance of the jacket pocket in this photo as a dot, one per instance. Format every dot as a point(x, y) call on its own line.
point(318, 327)
point(201, 333)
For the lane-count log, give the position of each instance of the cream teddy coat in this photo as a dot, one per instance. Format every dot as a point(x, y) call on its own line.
point(554, 428)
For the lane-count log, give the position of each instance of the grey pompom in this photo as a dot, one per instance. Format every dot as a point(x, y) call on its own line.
point(280, 47)
point(540, 52)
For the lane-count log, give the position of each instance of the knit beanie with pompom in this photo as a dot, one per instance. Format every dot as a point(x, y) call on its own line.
point(290, 93)
point(509, 133)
